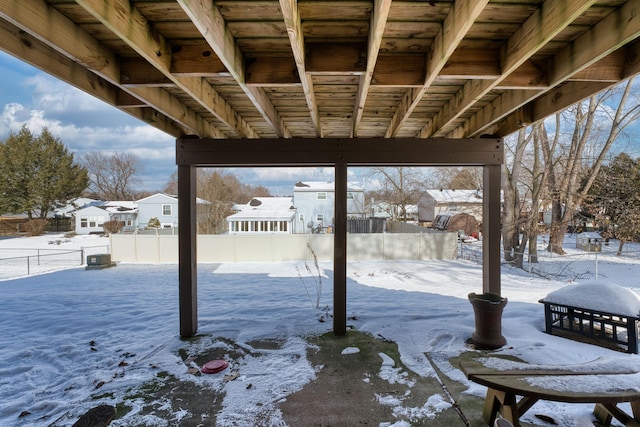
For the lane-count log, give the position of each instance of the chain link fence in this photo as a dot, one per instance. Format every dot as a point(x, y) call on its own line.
point(574, 266)
point(19, 262)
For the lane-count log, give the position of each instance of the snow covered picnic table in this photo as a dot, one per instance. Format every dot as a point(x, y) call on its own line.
point(601, 382)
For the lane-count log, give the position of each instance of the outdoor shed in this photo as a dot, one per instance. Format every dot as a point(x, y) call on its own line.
point(589, 241)
point(457, 222)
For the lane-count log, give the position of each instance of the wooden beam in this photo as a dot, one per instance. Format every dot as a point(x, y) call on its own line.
point(510, 101)
point(551, 102)
point(399, 71)
point(377, 25)
point(335, 58)
point(540, 28)
point(126, 100)
point(210, 22)
point(35, 17)
point(138, 72)
point(55, 30)
point(134, 29)
point(330, 151)
point(627, 14)
point(614, 31)
point(456, 25)
point(272, 71)
point(611, 68)
point(632, 59)
point(31, 50)
point(195, 59)
point(472, 63)
point(530, 75)
point(187, 251)
point(293, 23)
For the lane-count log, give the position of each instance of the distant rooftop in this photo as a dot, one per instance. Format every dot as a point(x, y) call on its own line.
point(456, 196)
point(323, 186)
point(267, 208)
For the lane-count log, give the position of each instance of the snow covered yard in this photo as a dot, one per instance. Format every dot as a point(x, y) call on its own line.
point(75, 338)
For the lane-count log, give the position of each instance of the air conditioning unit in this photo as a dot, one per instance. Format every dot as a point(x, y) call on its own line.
point(99, 261)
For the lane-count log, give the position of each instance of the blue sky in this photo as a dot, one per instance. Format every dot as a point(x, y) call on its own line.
point(84, 123)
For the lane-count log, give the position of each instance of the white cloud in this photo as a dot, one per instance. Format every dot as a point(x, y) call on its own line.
point(294, 174)
point(55, 96)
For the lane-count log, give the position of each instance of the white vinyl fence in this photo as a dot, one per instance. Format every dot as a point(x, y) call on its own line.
point(161, 249)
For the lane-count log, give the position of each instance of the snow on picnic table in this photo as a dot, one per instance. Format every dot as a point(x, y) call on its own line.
point(72, 334)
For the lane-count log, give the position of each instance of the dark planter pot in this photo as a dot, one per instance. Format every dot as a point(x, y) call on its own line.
point(488, 308)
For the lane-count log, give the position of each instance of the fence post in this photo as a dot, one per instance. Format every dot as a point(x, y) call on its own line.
point(81, 255)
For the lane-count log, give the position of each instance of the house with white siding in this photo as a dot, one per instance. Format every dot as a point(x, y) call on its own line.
point(91, 218)
point(315, 205)
point(449, 202)
point(263, 215)
point(161, 206)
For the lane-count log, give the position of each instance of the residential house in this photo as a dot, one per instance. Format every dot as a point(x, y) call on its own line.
point(263, 215)
point(73, 205)
point(315, 205)
point(385, 210)
point(161, 206)
point(378, 209)
point(91, 218)
point(435, 203)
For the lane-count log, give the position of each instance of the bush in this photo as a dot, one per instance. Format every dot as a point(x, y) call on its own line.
point(153, 223)
point(113, 227)
point(36, 227)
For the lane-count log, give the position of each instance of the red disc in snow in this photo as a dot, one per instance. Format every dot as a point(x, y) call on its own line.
point(213, 366)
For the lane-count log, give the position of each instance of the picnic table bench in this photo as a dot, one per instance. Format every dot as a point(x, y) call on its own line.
point(600, 382)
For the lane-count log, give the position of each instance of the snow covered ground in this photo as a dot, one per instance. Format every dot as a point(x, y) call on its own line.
point(71, 334)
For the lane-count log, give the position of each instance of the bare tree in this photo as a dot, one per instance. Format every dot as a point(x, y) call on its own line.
point(112, 176)
point(569, 173)
point(171, 187)
point(218, 200)
point(220, 191)
point(460, 178)
point(511, 213)
point(401, 186)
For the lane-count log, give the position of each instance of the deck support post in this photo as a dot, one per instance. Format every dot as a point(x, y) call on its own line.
point(491, 233)
point(187, 257)
point(340, 251)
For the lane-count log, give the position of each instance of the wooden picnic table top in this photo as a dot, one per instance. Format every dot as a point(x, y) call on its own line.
point(592, 382)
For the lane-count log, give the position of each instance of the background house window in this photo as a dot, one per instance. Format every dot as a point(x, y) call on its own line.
point(84, 222)
point(301, 217)
point(166, 209)
point(321, 196)
point(94, 221)
point(320, 218)
point(350, 195)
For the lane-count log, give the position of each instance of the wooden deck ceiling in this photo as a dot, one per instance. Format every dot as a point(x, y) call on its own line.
point(330, 69)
